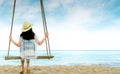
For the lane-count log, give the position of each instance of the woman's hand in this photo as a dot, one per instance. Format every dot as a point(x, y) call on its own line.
point(10, 38)
point(46, 35)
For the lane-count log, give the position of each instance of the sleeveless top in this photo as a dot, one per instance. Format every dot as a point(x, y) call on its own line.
point(28, 48)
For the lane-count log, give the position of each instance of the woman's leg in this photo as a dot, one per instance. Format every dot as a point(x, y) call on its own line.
point(28, 64)
point(22, 63)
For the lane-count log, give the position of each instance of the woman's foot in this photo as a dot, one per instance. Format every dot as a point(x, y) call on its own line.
point(22, 72)
point(28, 71)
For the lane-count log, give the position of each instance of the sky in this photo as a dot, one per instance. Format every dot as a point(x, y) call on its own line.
point(72, 24)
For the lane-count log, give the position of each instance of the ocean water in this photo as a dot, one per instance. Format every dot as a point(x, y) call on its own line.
point(65, 57)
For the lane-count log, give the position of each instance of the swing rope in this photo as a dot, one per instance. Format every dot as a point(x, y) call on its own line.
point(45, 29)
point(11, 26)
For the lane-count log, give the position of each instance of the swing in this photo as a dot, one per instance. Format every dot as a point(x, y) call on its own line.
point(48, 56)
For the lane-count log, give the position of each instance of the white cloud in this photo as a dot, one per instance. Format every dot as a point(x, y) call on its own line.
point(74, 35)
point(27, 11)
point(69, 38)
point(76, 13)
point(51, 5)
point(4, 36)
point(66, 38)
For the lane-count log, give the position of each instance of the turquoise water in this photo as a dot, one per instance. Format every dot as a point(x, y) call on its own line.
point(82, 57)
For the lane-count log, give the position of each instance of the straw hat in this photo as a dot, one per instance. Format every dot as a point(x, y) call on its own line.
point(26, 26)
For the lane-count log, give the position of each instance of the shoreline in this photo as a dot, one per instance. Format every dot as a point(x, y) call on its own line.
point(63, 69)
point(80, 64)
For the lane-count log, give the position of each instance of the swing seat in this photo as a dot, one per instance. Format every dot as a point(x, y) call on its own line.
point(18, 57)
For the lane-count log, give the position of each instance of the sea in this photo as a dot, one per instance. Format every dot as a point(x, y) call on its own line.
point(68, 57)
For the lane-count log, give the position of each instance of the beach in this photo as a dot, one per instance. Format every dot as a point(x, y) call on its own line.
point(66, 62)
point(62, 69)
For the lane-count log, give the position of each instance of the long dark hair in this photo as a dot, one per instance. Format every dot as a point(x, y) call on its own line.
point(28, 35)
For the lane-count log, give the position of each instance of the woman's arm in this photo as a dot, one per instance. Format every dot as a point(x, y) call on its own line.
point(41, 41)
point(17, 44)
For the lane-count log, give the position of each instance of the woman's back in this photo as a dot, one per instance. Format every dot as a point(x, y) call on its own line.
point(28, 48)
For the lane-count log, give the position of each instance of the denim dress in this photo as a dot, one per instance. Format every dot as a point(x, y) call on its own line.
point(27, 49)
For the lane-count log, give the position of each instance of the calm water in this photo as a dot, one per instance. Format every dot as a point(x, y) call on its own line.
point(83, 57)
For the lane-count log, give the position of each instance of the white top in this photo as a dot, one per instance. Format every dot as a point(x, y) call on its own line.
point(28, 48)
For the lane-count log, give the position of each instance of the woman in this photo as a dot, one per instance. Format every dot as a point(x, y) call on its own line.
point(26, 43)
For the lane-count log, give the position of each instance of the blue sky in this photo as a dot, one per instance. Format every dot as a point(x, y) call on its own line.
point(72, 24)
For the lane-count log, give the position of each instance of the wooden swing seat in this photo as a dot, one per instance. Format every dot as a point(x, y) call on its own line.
point(18, 57)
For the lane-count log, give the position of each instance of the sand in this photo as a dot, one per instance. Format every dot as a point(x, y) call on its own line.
point(93, 69)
